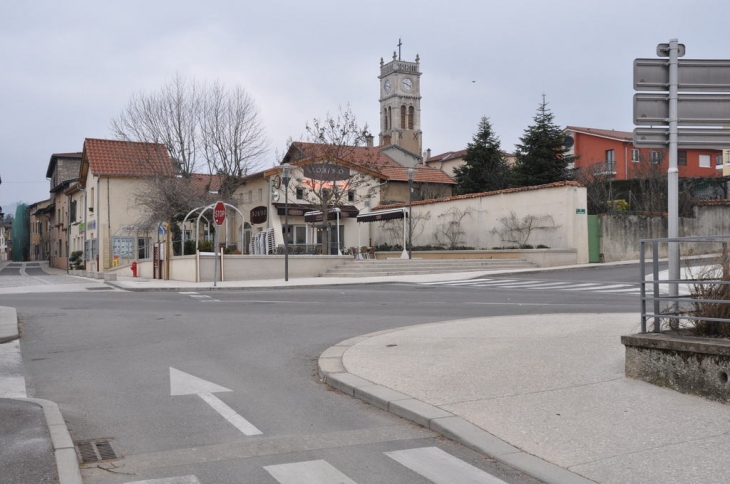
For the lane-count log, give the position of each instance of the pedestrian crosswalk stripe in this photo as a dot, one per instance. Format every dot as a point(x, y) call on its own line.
point(580, 287)
point(627, 290)
point(441, 468)
point(432, 463)
point(169, 480)
point(538, 284)
point(309, 472)
point(199, 297)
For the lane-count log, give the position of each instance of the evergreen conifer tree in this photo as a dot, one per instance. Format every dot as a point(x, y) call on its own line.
point(539, 157)
point(486, 168)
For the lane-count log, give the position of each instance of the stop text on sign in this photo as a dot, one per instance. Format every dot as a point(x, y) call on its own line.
point(219, 213)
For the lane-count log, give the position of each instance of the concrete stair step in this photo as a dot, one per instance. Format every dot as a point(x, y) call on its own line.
point(378, 268)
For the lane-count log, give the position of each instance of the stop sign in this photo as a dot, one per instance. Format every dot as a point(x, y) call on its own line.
point(219, 213)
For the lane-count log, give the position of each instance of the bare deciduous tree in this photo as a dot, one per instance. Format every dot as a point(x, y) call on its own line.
point(332, 143)
point(170, 117)
point(201, 125)
point(394, 228)
point(232, 136)
point(517, 231)
point(450, 229)
point(598, 186)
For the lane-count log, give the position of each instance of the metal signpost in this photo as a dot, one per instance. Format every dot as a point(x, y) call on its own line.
point(666, 112)
point(219, 217)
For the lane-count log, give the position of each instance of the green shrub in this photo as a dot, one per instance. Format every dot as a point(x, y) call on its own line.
point(76, 260)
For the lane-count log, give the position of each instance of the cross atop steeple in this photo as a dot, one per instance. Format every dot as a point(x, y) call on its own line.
point(399, 44)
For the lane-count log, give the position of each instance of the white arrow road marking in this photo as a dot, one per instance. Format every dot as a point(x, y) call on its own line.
point(441, 468)
point(310, 472)
point(169, 480)
point(182, 383)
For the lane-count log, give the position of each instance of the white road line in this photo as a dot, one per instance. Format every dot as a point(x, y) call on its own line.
point(618, 286)
point(441, 468)
point(511, 283)
point(532, 285)
point(182, 383)
point(628, 290)
point(200, 297)
point(454, 283)
point(229, 414)
point(582, 287)
point(558, 286)
point(309, 472)
point(169, 480)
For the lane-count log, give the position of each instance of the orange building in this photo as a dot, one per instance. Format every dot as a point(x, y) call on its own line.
point(610, 152)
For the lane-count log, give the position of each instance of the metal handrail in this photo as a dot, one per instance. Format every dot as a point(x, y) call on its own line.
point(673, 310)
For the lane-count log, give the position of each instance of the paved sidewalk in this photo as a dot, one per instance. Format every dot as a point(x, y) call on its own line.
point(543, 395)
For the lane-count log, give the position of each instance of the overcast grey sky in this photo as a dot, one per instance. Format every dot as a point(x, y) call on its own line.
point(68, 67)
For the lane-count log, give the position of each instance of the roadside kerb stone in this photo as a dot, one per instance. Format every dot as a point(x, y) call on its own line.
point(333, 372)
point(8, 324)
point(379, 396)
point(66, 460)
point(346, 382)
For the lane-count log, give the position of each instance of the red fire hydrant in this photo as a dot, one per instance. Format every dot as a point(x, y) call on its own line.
point(134, 269)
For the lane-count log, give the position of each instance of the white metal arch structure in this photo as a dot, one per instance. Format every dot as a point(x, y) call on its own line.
point(197, 223)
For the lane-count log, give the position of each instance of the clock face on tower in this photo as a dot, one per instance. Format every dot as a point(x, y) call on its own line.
point(407, 84)
point(387, 86)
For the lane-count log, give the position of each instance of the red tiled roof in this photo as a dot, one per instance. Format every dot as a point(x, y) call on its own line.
point(423, 174)
point(449, 155)
point(453, 155)
point(372, 159)
point(483, 194)
point(366, 156)
point(203, 182)
point(126, 158)
point(604, 133)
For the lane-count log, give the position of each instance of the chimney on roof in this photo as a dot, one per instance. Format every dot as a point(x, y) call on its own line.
point(369, 140)
point(428, 156)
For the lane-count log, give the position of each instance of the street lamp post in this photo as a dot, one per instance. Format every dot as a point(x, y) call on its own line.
point(411, 174)
point(337, 211)
point(285, 177)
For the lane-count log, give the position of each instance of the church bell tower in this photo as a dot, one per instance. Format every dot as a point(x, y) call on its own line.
point(400, 104)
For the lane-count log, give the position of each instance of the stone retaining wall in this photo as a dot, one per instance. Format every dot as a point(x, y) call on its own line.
point(687, 364)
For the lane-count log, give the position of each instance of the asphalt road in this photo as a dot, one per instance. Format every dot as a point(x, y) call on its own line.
point(108, 359)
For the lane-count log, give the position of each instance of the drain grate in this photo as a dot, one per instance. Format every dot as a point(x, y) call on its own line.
point(94, 450)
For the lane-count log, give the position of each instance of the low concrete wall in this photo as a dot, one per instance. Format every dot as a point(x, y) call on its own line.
point(539, 257)
point(259, 267)
point(620, 234)
point(697, 366)
point(477, 217)
point(247, 267)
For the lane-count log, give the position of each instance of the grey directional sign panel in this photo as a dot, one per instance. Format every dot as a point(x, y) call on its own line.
point(692, 109)
point(711, 139)
point(692, 75)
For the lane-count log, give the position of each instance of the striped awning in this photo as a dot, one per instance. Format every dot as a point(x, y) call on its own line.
point(380, 215)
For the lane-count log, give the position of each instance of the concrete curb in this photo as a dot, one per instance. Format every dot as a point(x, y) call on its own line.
point(8, 324)
point(333, 372)
point(63, 447)
point(308, 282)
